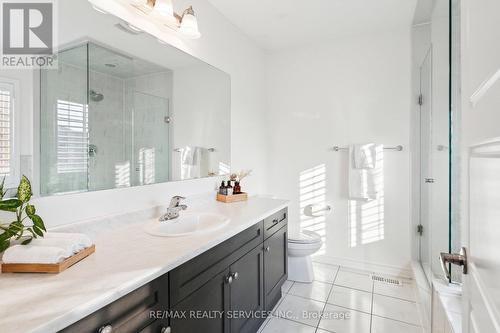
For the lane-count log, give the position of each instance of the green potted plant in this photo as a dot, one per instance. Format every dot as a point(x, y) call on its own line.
point(26, 224)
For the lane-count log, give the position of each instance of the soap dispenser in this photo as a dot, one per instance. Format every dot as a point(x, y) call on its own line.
point(229, 188)
point(222, 188)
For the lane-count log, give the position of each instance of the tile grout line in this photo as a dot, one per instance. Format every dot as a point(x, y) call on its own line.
point(328, 297)
point(371, 309)
point(399, 321)
point(398, 298)
point(266, 322)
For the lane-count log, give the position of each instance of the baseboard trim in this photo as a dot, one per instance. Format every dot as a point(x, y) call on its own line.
point(398, 271)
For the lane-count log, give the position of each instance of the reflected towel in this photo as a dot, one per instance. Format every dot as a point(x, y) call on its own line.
point(194, 162)
point(364, 184)
point(30, 254)
point(364, 156)
point(190, 155)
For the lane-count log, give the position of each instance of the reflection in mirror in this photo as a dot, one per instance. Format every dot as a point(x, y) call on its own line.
point(110, 118)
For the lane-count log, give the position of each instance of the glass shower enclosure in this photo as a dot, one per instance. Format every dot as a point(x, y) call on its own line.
point(107, 116)
point(439, 226)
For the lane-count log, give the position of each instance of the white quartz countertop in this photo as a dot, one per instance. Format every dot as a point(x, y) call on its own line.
point(126, 258)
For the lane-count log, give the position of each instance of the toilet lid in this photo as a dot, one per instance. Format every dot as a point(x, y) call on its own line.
point(304, 237)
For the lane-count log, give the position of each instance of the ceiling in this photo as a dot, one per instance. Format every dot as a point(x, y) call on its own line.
point(279, 24)
point(106, 61)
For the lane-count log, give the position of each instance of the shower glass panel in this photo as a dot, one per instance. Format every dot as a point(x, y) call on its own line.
point(112, 126)
point(65, 124)
point(150, 138)
point(426, 144)
point(439, 226)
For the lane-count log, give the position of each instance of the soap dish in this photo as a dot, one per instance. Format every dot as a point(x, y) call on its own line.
point(49, 268)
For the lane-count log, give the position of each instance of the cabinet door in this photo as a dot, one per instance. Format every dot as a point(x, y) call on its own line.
point(247, 292)
point(205, 309)
point(275, 266)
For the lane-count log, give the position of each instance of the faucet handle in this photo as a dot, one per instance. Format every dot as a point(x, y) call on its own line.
point(174, 202)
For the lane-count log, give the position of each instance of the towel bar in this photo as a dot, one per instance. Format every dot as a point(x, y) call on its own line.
point(396, 148)
point(210, 150)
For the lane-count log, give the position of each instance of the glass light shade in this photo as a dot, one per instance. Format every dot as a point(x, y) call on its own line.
point(164, 8)
point(189, 26)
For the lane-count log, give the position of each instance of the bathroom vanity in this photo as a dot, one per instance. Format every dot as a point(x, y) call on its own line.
point(243, 273)
point(159, 283)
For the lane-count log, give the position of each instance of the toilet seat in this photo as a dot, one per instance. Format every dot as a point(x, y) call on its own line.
point(305, 237)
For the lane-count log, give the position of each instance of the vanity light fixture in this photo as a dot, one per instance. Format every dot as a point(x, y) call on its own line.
point(162, 12)
point(163, 8)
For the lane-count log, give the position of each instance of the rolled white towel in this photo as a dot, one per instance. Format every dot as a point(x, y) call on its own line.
point(82, 240)
point(69, 246)
point(29, 254)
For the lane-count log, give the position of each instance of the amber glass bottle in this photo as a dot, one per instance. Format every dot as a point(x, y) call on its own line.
point(237, 188)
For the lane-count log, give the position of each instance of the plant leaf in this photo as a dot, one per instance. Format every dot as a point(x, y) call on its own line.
point(5, 236)
point(24, 190)
point(16, 227)
point(26, 241)
point(10, 205)
point(38, 231)
point(2, 186)
point(30, 210)
point(4, 245)
point(37, 222)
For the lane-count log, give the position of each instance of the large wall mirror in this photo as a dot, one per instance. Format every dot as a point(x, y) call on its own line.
point(123, 109)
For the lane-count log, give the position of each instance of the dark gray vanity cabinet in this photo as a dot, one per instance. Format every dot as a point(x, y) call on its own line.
point(275, 266)
point(247, 292)
point(131, 313)
point(219, 282)
point(204, 310)
point(226, 289)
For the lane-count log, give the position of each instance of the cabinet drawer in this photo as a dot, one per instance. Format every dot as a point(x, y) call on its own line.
point(275, 222)
point(131, 313)
point(190, 276)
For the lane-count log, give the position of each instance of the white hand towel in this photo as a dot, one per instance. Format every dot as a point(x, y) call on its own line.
point(69, 246)
point(29, 254)
point(82, 240)
point(364, 184)
point(189, 155)
point(364, 156)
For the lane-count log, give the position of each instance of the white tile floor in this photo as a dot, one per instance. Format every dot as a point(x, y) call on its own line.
point(344, 300)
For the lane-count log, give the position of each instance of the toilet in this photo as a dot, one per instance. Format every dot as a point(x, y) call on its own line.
point(301, 246)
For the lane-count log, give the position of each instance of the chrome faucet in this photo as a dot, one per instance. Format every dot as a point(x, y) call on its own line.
point(173, 209)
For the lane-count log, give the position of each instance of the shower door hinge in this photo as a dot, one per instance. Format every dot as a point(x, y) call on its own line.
point(420, 99)
point(420, 229)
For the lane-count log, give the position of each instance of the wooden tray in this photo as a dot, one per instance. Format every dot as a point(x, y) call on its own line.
point(232, 198)
point(48, 268)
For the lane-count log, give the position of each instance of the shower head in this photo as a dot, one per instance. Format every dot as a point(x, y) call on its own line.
point(95, 96)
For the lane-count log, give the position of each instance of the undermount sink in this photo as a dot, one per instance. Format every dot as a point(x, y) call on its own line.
point(187, 224)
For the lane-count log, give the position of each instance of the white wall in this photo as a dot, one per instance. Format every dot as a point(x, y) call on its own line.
point(223, 46)
point(341, 92)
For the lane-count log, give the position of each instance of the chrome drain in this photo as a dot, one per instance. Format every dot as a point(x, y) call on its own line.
point(394, 282)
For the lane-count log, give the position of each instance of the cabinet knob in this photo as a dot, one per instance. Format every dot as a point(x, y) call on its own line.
point(229, 279)
point(166, 330)
point(106, 329)
point(235, 275)
point(267, 249)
